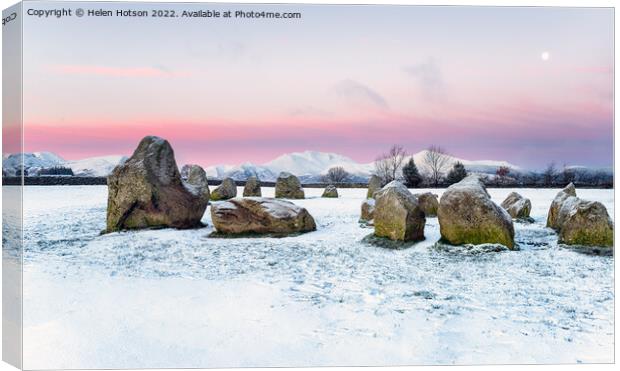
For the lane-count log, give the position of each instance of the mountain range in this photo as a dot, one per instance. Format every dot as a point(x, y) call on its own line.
point(309, 166)
point(36, 161)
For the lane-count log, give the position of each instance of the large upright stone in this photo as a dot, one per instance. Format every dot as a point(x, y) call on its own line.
point(225, 191)
point(585, 223)
point(146, 191)
point(330, 192)
point(556, 204)
point(289, 186)
point(195, 179)
point(428, 202)
point(467, 215)
point(517, 206)
point(368, 210)
point(374, 185)
point(580, 222)
point(260, 216)
point(397, 214)
point(252, 187)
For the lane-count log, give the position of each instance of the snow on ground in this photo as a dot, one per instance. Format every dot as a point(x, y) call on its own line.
point(169, 298)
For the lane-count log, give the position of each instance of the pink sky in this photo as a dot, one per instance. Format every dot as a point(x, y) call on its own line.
point(228, 92)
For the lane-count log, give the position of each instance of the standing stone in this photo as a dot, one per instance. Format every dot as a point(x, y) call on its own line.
point(252, 187)
point(289, 186)
point(368, 210)
point(225, 191)
point(428, 202)
point(260, 215)
point(374, 185)
point(467, 215)
point(517, 206)
point(330, 192)
point(146, 191)
point(556, 204)
point(195, 179)
point(585, 223)
point(397, 214)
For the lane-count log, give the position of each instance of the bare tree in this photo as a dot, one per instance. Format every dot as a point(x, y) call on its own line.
point(336, 174)
point(549, 174)
point(437, 161)
point(388, 166)
point(501, 174)
point(529, 179)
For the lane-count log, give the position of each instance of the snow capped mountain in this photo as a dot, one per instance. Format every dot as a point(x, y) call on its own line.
point(36, 161)
point(316, 163)
point(95, 166)
point(310, 166)
point(476, 166)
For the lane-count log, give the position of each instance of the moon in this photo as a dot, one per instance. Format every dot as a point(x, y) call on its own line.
point(545, 56)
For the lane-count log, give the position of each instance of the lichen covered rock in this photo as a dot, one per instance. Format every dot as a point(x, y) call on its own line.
point(397, 214)
point(585, 223)
point(257, 215)
point(517, 206)
point(579, 222)
point(225, 191)
point(289, 186)
point(252, 187)
point(146, 191)
point(368, 210)
point(374, 185)
point(330, 192)
point(467, 215)
point(429, 203)
point(195, 179)
point(556, 204)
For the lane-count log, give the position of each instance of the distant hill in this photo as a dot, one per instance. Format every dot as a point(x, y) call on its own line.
point(37, 161)
point(95, 166)
point(34, 161)
point(309, 166)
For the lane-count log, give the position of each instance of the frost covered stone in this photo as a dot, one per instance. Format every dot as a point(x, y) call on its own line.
point(467, 215)
point(517, 206)
point(195, 180)
point(556, 204)
point(252, 187)
point(580, 222)
point(428, 202)
point(368, 210)
point(330, 192)
point(397, 214)
point(225, 191)
point(374, 185)
point(147, 191)
point(585, 223)
point(260, 215)
point(289, 186)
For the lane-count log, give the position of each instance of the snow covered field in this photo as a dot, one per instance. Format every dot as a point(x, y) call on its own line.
point(168, 298)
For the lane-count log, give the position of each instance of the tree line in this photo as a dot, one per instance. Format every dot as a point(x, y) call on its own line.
point(397, 164)
point(441, 171)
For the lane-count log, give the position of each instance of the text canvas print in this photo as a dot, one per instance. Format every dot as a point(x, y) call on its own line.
point(197, 185)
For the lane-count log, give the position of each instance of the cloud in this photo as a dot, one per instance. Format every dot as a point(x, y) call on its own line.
point(429, 79)
point(96, 70)
point(359, 93)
